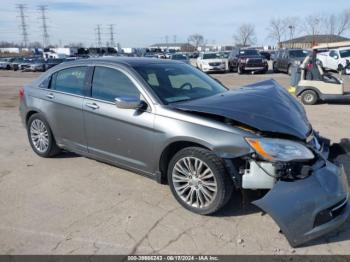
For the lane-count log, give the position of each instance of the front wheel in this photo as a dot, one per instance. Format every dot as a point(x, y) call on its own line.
point(40, 136)
point(198, 180)
point(239, 70)
point(309, 97)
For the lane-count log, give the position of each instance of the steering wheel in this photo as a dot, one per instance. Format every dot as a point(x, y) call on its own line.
point(185, 85)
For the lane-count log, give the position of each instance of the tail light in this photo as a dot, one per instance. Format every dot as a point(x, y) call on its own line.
point(21, 93)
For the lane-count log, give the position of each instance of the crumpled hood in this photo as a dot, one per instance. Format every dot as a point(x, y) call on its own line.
point(265, 106)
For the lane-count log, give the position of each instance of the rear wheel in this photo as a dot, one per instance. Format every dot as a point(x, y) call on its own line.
point(309, 97)
point(198, 180)
point(40, 136)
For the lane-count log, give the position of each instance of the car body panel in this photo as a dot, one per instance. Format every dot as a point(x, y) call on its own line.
point(265, 106)
point(295, 205)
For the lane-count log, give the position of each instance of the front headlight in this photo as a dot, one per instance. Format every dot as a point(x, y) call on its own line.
point(274, 149)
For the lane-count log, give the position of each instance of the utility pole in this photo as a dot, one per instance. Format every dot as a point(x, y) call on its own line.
point(166, 39)
point(42, 9)
point(98, 35)
point(174, 39)
point(23, 24)
point(111, 35)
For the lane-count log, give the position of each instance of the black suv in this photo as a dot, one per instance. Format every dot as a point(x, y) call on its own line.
point(285, 58)
point(247, 60)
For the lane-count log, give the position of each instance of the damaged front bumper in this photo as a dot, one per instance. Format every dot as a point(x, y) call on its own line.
point(309, 208)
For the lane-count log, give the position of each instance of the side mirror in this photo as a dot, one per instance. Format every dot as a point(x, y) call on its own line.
point(129, 102)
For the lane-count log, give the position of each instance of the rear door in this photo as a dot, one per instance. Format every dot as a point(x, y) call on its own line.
point(123, 136)
point(63, 106)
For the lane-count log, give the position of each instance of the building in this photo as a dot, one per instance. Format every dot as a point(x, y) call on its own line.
point(309, 41)
point(183, 47)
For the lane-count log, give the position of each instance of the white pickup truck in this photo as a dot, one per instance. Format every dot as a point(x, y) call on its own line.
point(336, 59)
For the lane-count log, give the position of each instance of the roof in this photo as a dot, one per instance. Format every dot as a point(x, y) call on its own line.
point(316, 39)
point(128, 61)
point(170, 44)
point(343, 44)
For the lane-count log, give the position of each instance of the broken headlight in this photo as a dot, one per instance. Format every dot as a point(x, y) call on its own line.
point(274, 149)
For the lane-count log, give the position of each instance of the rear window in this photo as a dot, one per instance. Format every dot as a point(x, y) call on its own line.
point(211, 56)
point(344, 53)
point(298, 53)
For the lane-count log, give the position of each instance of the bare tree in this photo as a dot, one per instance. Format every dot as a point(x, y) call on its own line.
point(245, 35)
point(313, 24)
point(277, 29)
point(343, 23)
point(196, 40)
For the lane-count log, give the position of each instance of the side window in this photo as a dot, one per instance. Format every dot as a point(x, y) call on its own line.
point(70, 80)
point(108, 84)
point(45, 83)
point(333, 54)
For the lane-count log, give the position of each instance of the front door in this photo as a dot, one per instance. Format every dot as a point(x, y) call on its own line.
point(123, 136)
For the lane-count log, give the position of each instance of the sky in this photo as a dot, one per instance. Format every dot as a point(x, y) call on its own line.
point(141, 23)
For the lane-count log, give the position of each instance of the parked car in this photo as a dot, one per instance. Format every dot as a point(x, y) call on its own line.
point(180, 57)
point(285, 58)
point(36, 65)
point(247, 60)
point(169, 121)
point(5, 63)
point(15, 62)
point(211, 62)
point(335, 59)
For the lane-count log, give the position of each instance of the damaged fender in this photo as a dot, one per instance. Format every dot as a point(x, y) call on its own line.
point(309, 208)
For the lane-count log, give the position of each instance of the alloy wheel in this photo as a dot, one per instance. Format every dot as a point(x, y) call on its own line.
point(39, 135)
point(194, 182)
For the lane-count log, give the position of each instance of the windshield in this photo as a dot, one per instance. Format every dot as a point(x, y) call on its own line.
point(298, 53)
point(211, 56)
point(344, 53)
point(178, 57)
point(173, 83)
point(248, 52)
point(225, 54)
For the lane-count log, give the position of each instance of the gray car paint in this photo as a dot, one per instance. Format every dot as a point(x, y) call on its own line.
point(136, 139)
point(294, 205)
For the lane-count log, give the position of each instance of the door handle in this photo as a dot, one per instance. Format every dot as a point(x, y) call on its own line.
point(92, 105)
point(50, 95)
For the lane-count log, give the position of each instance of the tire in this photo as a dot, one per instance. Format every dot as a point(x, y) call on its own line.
point(49, 147)
point(289, 70)
point(202, 200)
point(239, 70)
point(274, 68)
point(309, 97)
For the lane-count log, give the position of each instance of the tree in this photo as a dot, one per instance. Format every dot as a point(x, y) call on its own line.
point(277, 29)
point(196, 40)
point(313, 24)
point(343, 22)
point(245, 35)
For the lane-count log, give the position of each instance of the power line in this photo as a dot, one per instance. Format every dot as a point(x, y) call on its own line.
point(98, 35)
point(43, 9)
point(111, 32)
point(23, 25)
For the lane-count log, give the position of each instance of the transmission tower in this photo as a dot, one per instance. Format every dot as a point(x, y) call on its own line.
point(42, 9)
point(98, 35)
point(23, 25)
point(111, 35)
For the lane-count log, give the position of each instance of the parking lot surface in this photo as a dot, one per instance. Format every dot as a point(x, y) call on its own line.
point(75, 205)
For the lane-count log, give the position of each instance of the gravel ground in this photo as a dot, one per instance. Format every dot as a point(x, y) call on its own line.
point(74, 205)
